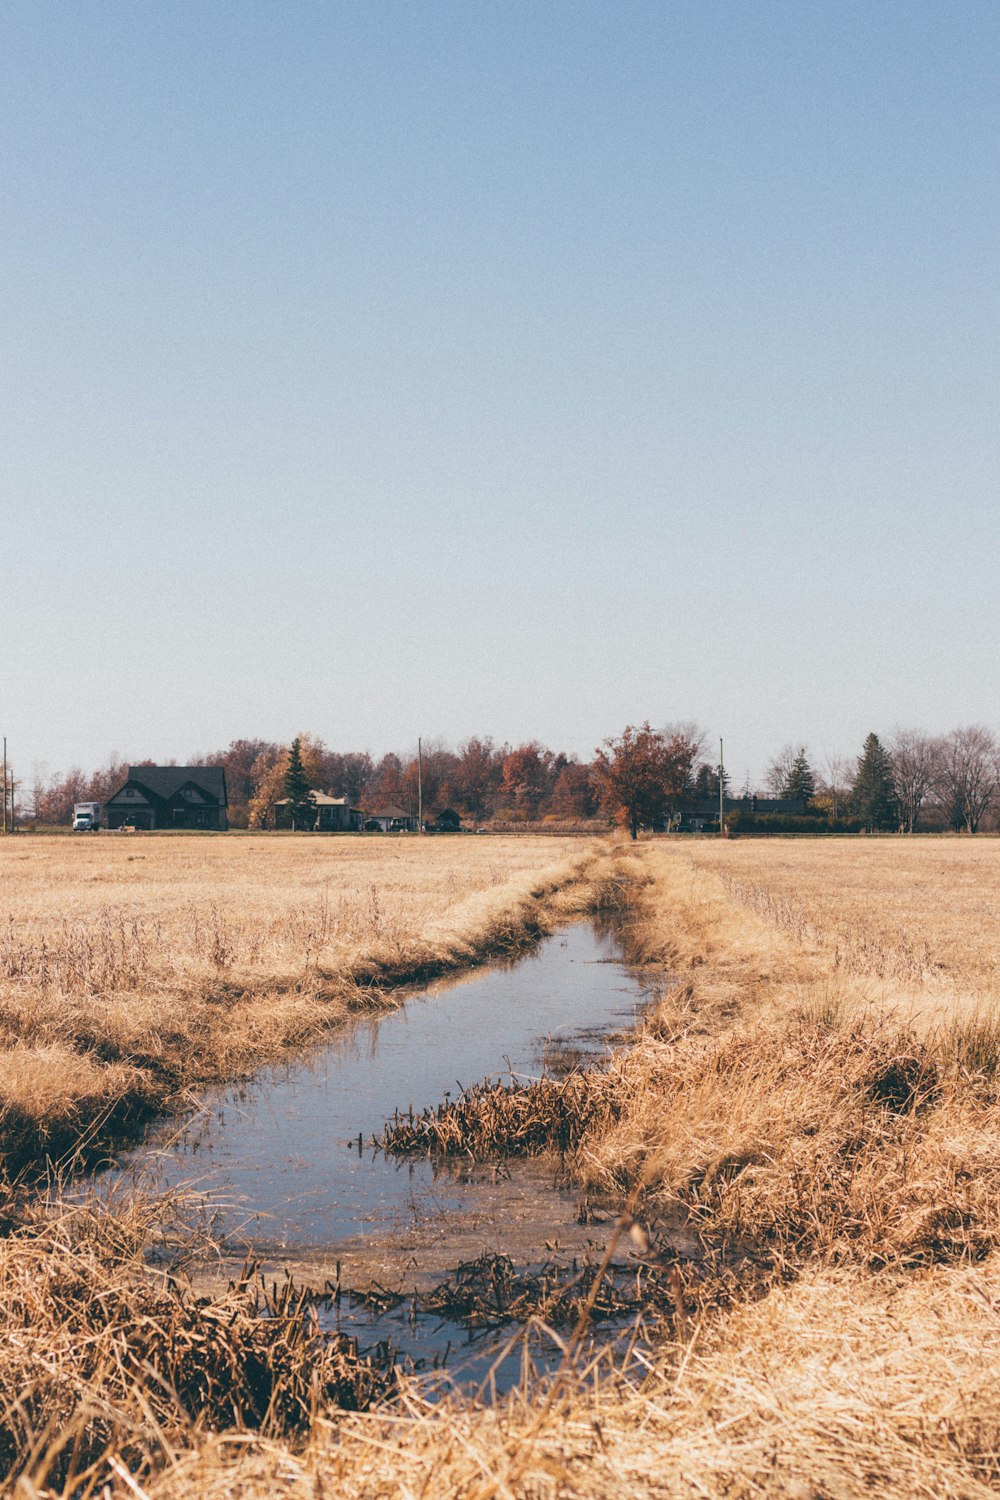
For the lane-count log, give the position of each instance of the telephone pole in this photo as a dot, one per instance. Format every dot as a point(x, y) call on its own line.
point(722, 794)
point(420, 785)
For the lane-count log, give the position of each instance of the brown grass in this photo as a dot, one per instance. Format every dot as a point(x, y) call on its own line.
point(511, 1119)
point(818, 1088)
point(131, 970)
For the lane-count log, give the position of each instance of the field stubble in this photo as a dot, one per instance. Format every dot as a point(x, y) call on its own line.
point(806, 1088)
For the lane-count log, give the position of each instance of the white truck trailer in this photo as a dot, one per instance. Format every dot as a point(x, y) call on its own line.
point(86, 817)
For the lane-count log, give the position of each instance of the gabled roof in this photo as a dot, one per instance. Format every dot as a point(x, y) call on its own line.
point(165, 781)
point(319, 799)
point(391, 811)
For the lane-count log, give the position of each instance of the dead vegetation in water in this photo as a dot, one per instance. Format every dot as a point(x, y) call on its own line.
point(665, 1290)
point(496, 1119)
point(103, 1364)
point(834, 1386)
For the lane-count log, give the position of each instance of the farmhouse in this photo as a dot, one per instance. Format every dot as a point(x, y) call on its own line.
point(332, 814)
point(170, 797)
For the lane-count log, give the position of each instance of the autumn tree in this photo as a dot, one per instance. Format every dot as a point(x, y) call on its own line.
point(641, 772)
point(527, 778)
point(873, 795)
point(347, 775)
point(574, 794)
point(435, 778)
point(478, 776)
point(386, 784)
point(239, 761)
point(266, 776)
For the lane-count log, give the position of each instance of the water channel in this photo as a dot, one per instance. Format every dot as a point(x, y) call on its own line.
point(287, 1161)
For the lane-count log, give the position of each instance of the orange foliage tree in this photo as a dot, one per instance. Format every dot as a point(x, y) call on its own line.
point(643, 772)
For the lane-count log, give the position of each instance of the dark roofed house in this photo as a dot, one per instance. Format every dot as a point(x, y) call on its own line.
point(447, 821)
point(170, 797)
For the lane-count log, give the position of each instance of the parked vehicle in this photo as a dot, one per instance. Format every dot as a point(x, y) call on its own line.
point(86, 817)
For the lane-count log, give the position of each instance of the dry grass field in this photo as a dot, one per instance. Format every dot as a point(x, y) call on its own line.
point(133, 968)
point(817, 1097)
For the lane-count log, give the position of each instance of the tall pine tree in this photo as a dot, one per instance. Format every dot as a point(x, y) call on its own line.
point(800, 781)
point(874, 793)
point(296, 788)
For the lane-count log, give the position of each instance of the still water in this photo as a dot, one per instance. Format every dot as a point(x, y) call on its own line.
point(282, 1158)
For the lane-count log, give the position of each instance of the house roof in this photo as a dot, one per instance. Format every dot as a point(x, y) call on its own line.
point(165, 781)
point(709, 806)
point(390, 811)
point(320, 799)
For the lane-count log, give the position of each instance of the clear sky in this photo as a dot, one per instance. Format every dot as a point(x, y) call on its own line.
point(524, 368)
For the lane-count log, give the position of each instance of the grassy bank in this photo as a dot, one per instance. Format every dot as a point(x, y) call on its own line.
point(132, 972)
point(812, 1102)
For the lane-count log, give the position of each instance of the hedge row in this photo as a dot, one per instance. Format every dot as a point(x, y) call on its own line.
point(744, 822)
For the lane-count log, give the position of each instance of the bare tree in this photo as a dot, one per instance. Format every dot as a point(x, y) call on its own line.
point(970, 774)
point(777, 775)
point(835, 782)
point(916, 760)
point(690, 735)
point(39, 785)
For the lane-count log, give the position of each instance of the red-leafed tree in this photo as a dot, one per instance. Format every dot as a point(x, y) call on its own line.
point(574, 794)
point(642, 772)
point(527, 778)
point(478, 776)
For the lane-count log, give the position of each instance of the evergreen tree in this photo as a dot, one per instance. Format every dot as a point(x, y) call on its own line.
point(296, 787)
point(800, 781)
point(706, 781)
point(873, 796)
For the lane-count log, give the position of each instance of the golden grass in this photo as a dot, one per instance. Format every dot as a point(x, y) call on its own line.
point(914, 910)
point(133, 968)
point(820, 1087)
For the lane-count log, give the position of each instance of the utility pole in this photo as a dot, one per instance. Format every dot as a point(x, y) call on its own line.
point(722, 794)
point(420, 785)
point(5, 783)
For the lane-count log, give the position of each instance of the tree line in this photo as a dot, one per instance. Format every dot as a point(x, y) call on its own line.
point(913, 781)
point(482, 781)
point(644, 776)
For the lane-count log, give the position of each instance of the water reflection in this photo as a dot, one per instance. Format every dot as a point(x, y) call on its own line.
point(287, 1156)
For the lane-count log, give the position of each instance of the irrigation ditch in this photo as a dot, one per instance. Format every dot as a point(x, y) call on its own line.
point(399, 1200)
point(428, 1236)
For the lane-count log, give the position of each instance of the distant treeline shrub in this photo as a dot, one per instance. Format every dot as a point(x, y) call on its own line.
point(746, 822)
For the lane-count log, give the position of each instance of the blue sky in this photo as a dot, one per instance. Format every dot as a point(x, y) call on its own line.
point(527, 369)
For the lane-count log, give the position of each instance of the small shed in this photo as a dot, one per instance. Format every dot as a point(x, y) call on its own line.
point(447, 821)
